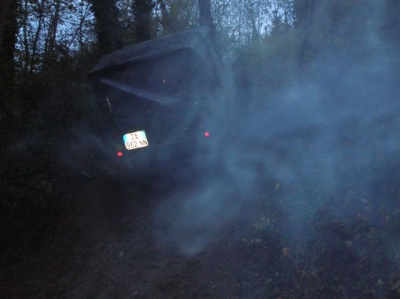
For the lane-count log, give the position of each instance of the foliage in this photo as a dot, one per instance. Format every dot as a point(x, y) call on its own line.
point(28, 199)
point(50, 100)
point(49, 32)
point(176, 15)
point(246, 22)
point(267, 66)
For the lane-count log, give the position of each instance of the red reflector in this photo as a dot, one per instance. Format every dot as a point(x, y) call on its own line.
point(207, 134)
point(120, 154)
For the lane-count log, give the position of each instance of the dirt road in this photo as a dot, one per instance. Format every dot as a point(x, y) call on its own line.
point(110, 245)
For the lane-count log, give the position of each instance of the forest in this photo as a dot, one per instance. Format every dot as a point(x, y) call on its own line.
point(308, 202)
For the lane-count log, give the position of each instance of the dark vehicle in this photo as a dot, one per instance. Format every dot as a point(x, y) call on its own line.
point(160, 96)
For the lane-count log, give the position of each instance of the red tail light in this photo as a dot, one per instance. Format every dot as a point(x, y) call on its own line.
point(207, 134)
point(120, 154)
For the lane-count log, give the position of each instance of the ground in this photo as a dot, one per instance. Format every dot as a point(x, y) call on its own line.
point(108, 245)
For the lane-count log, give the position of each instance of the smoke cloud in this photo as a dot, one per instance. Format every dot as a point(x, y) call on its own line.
point(330, 136)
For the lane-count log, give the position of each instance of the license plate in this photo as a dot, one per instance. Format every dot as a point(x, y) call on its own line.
point(135, 140)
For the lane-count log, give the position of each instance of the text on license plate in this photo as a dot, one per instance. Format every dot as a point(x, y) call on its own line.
point(135, 140)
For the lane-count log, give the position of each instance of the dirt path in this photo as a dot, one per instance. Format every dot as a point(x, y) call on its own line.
point(109, 246)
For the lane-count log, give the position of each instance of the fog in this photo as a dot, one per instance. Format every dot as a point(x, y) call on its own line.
point(330, 137)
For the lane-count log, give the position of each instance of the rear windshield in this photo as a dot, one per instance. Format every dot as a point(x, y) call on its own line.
point(175, 80)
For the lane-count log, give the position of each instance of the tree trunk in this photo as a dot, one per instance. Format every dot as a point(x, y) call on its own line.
point(52, 35)
point(9, 38)
point(31, 54)
point(107, 26)
point(9, 107)
point(4, 12)
point(305, 17)
point(167, 25)
point(142, 10)
point(205, 18)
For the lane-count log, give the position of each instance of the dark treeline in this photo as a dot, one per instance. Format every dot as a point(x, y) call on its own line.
point(47, 47)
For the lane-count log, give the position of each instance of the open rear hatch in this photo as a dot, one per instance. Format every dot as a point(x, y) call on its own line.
point(159, 94)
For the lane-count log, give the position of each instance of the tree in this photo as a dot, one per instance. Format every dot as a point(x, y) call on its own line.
point(8, 105)
point(4, 11)
point(205, 18)
point(50, 41)
point(8, 31)
point(176, 15)
point(304, 12)
point(107, 25)
point(142, 12)
point(8, 39)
